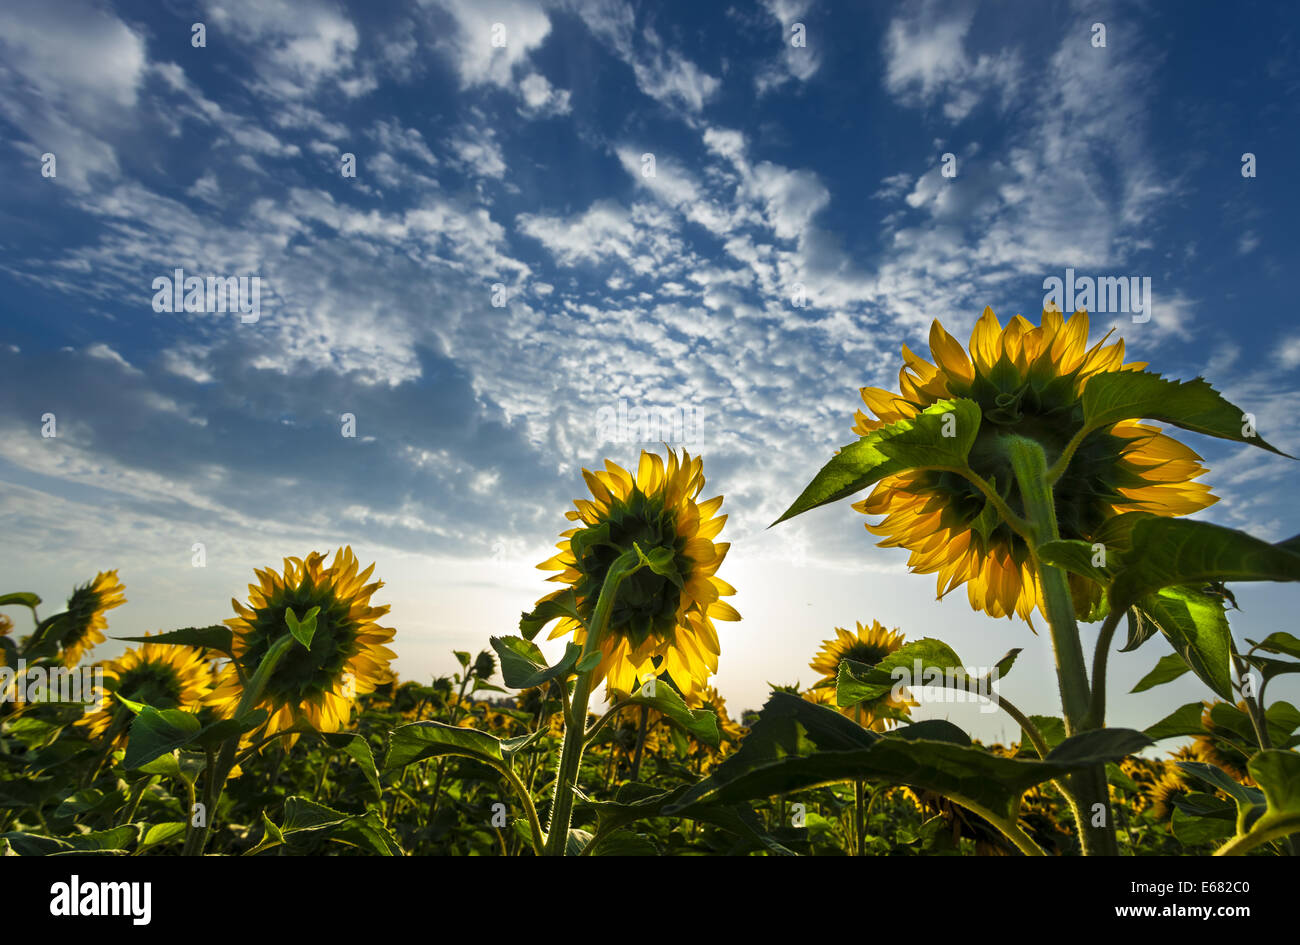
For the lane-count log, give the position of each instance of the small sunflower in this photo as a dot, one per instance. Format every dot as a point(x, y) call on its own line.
point(157, 674)
point(868, 645)
point(1164, 791)
point(657, 624)
point(86, 608)
point(1028, 380)
point(347, 656)
point(710, 698)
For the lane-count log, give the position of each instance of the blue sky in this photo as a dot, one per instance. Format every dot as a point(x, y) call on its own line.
point(521, 167)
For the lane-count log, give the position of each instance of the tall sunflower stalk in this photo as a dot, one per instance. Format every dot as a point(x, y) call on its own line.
point(995, 468)
point(640, 599)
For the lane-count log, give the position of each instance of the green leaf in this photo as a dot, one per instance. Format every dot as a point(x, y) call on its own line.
point(560, 604)
point(589, 662)
point(1279, 642)
point(1202, 827)
point(357, 748)
point(858, 682)
point(1193, 405)
point(28, 600)
point(156, 835)
point(304, 631)
point(1167, 669)
point(209, 638)
point(416, 741)
point(701, 723)
point(1185, 720)
point(1270, 668)
point(1250, 801)
point(1196, 625)
point(157, 732)
point(305, 818)
point(1074, 556)
point(625, 843)
point(1278, 775)
point(915, 443)
point(1173, 551)
point(662, 561)
point(1003, 666)
point(1140, 628)
point(523, 665)
point(796, 745)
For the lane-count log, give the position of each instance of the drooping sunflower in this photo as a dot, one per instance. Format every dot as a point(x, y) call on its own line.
point(868, 645)
point(1028, 380)
point(658, 623)
point(85, 616)
point(1168, 787)
point(157, 674)
point(347, 656)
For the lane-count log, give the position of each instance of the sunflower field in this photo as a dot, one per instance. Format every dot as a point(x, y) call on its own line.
point(1025, 467)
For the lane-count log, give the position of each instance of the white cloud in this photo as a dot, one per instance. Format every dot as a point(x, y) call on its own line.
point(471, 49)
point(541, 99)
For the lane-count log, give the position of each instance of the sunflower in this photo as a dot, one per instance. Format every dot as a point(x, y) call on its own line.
point(869, 645)
point(1162, 794)
point(347, 656)
point(1028, 380)
point(157, 674)
point(658, 623)
point(710, 698)
point(85, 615)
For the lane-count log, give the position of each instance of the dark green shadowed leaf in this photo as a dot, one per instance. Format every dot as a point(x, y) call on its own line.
point(562, 604)
point(155, 732)
point(789, 749)
point(211, 638)
point(523, 665)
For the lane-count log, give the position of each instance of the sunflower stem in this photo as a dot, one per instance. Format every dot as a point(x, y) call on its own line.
point(1089, 787)
point(215, 782)
point(575, 729)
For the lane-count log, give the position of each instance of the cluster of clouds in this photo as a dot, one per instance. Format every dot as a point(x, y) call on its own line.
point(674, 288)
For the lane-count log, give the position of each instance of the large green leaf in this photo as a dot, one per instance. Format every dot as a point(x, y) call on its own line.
point(416, 741)
point(523, 665)
point(1193, 405)
point(562, 603)
point(919, 442)
point(788, 749)
point(157, 732)
point(701, 723)
point(304, 818)
point(1196, 626)
point(857, 682)
point(1175, 551)
point(357, 748)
